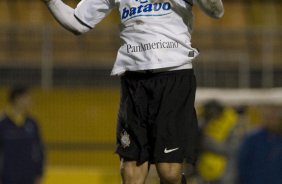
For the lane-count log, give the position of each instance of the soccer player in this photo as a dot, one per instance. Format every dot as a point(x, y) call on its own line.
point(157, 123)
point(21, 150)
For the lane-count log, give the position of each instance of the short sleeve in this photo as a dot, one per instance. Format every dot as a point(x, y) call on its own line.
point(91, 12)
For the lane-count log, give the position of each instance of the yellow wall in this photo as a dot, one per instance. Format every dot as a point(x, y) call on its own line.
point(77, 114)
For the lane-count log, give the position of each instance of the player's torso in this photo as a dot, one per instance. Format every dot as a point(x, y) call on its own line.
point(155, 34)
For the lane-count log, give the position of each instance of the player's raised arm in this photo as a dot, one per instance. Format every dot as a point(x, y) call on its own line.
point(213, 8)
point(65, 15)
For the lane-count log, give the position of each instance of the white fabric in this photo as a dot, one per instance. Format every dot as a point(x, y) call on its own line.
point(91, 12)
point(65, 16)
point(155, 35)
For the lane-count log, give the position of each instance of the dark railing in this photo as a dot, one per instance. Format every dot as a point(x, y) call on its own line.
point(53, 57)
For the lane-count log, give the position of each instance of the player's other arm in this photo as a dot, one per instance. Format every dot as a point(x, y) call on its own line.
point(64, 14)
point(213, 8)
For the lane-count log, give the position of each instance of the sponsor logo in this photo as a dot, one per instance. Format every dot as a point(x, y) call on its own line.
point(146, 9)
point(170, 150)
point(142, 47)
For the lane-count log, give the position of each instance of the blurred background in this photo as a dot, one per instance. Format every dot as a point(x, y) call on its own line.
point(76, 100)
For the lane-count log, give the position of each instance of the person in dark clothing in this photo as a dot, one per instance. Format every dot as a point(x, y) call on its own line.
point(260, 156)
point(21, 149)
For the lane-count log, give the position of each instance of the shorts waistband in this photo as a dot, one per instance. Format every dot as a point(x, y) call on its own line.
point(155, 73)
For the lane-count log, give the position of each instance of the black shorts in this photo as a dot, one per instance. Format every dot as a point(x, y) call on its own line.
point(157, 121)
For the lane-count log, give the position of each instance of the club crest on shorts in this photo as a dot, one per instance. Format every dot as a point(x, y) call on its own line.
point(125, 139)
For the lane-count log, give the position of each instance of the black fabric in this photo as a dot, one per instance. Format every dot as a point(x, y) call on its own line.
point(157, 115)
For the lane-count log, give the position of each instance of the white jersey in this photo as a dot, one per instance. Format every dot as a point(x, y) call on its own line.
point(156, 34)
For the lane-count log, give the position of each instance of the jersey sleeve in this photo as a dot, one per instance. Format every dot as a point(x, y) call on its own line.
point(91, 12)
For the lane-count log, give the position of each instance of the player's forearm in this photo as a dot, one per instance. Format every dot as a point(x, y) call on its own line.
point(213, 8)
point(64, 14)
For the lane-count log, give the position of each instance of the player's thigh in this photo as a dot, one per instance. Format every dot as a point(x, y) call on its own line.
point(170, 171)
point(133, 172)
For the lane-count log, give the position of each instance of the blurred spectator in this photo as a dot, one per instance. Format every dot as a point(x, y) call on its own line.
point(217, 145)
point(260, 157)
point(21, 152)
